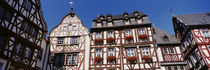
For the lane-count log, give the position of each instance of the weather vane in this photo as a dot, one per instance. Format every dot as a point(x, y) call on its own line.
point(71, 3)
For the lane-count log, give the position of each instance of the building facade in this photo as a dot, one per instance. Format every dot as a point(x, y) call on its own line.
point(69, 44)
point(169, 51)
point(23, 43)
point(122, 42)
point(193, 31)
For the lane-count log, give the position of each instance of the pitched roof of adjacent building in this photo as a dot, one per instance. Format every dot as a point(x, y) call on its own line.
point(162, 37)
point(195, 19)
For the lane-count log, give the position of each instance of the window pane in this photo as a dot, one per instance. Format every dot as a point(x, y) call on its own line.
point(2, 39)
point(74, 40)
point(28, 53)
point(165, 50)
point(57, 58)
point(98, 35)
point(20, 49)
point(62, 60)
point(141, 31)
point(60, 41)
point(68, 60)
point(74, 59)
point(27, 5)
point(111, 52)
point(172, 50)
point(1, 12)
point(26, 28)
point(8, 16)
point(34, 32)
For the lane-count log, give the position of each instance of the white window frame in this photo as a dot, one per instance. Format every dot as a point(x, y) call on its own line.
point(98, 35)
point(99, 24)
point(110, 34)
point(171, 50)
point(141, 31)
point(165, 49)
point(139, 21)
point(98, 52)
point(128, 32)
point(145, 51)
point(109, 24)
point(111, 51)
point(130, 52)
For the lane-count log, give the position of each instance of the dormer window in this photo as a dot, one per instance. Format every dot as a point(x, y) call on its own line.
point(165, 38)
point(110, 24)
point(139, 21)
point(99, 24)
point(126, 22)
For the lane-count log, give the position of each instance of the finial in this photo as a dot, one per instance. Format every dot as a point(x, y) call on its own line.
point(172, 12)
point(71, 3)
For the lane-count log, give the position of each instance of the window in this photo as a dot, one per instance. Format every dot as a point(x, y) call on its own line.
point(34, 32)
point(175, 68)
point(131, 52)
point(71, 59)
point(60, 41)
point(98, 35)
point(127, 32)
point(165, 50)
point(141, 31)
point(8, 16)
point(206, 34)
point(74, 40)
point(1, 12)
point(20, 49)
point(126, 22)
point(27, 5)
point(139, 21)
point(26, 28)
point(110, 34)
point(65, 28)
point(169, 68)
point(98, 53)
point(181, 68)
point(111, 52)
point(165, 38)
point(2, 39)
point(109, 24)
point(145, 51)
point(69, 27)
point(74, 27)
point(172, 50)
point(28, 53)
point(98, 24)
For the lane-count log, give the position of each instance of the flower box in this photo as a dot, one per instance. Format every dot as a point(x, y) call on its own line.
point(98, 40)
point(142, 36)
point(110, 39)
point(98, 59)
point(147, 57)
point(128, 37)
point(132, 59)
point(111, 58)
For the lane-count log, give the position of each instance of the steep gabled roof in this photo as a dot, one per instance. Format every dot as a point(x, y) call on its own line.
point(195, 19)
point(159, 36)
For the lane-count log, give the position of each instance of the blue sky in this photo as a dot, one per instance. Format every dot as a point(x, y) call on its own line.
point(157, 10)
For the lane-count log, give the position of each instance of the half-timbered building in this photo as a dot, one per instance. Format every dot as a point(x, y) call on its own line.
point(122, 42)
point(193, 31)
point(169, 51)
point(69, 44)
point(23, 43)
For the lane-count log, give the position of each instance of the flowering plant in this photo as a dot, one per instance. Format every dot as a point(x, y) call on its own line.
point(132, 59)
point(142, 36)
point(111, 58)
point(98, 59)
point(110, 39)
point(99, 40)
point(129, 37)
point(147, 57)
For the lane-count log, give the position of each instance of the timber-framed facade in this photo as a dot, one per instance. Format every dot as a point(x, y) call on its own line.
point(22, 35)
point(69, 44)
point(193, 31)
